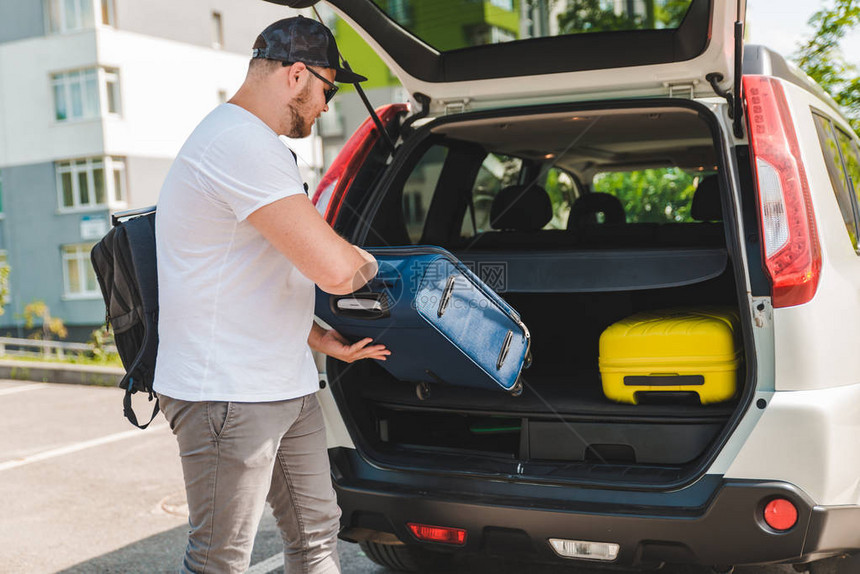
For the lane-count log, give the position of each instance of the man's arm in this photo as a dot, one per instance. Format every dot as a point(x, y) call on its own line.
point(296, 229)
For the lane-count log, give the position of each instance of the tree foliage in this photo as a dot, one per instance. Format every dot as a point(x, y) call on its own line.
point(821, 58)
point(38, 311)
point(651, 195)
point(4, 287)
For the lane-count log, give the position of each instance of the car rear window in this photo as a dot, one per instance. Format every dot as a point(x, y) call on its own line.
point(553, 180)
point(453, 24)
point(660, 195)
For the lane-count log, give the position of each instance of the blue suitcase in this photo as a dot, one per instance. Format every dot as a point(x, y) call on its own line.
point(440, 321)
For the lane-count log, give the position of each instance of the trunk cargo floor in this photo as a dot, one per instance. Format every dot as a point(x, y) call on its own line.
point(577, 397)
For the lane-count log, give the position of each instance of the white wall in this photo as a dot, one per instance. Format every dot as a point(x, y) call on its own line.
point(29, 133)
point(190, 21)
point(167, 88)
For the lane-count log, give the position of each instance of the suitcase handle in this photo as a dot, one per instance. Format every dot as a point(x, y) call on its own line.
point(360, 306)
point(446, 296)
point(506, 346)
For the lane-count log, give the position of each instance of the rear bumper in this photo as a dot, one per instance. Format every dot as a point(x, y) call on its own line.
point(714, 521)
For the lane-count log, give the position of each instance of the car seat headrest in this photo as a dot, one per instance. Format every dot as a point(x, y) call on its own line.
point(584, 210)
point(706, 204)
point(521, 208)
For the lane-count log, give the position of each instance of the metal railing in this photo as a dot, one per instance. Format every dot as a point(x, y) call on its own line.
point(36, 348)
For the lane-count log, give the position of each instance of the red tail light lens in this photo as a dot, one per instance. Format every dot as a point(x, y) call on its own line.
point(780, 514)
point(438, 533)
point(331, 190)
point(791, 250)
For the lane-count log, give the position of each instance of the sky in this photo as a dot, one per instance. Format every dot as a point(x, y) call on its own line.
point(782, 24)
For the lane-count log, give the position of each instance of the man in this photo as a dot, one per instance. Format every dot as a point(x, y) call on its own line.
point(239, 248)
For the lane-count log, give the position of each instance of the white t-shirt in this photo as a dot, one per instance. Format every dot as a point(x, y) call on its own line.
point(234, 313)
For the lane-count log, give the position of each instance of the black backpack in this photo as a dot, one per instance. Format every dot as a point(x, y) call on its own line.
point(125, 264)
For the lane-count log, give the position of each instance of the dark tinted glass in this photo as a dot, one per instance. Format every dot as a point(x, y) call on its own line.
point(453, 24)
point(841, 186)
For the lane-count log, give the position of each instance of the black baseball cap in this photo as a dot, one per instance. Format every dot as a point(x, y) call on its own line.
point(301, 39)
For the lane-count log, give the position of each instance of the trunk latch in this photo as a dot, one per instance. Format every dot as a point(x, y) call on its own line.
point(686, 90)
point(456, 106)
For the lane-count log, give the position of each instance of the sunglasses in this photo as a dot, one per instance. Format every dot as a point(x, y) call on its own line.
point(330, 91)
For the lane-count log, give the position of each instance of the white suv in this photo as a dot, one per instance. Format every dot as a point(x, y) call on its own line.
point(682, 170)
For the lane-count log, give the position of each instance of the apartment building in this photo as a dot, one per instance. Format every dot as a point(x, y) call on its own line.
point(96, 98)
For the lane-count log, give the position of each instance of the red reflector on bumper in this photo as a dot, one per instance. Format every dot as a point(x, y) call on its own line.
point(438, 533)
point(780, 514)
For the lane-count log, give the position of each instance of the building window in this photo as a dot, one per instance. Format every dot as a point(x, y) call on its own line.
point(499, 35)
point(503, 4)
point(111, 90)
point(217, 31)
point(108, 17)
point(482, 34)
point(79, 279)
point(83, 94)
point(69, 15)
point(91, 182)
point(400, 11)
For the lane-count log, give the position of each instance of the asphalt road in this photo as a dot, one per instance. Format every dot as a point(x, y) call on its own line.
point(84, 492)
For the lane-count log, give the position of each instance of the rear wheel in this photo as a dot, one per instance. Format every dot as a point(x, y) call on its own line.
point(406, 558)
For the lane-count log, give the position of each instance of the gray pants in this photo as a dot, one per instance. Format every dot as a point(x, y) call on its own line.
point(236, 456)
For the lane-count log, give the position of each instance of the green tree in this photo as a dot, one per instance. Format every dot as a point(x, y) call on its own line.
point(558, 186)
point(651, 195)
point(822, 60)
point(4, 287)
point(102, 339)
point(38, 310)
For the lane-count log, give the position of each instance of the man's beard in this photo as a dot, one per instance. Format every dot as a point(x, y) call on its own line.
point(299, 125)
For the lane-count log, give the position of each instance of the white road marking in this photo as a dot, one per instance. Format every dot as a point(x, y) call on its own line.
point(266, 566)
point(75, 447)
point(23, 388)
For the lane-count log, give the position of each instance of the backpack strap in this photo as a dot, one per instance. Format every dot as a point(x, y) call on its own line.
point(296, 159)
point(140, 233)
point(129, 412)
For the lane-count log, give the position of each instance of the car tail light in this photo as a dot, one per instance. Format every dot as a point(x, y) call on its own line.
point(791, 250)
point(331, 190)
point(438, 533)
point(780, 514)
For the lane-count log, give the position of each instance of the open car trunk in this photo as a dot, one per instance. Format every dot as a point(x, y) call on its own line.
point(569, 278)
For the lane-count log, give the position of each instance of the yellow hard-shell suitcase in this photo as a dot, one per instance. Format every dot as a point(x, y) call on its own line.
point(680, 350)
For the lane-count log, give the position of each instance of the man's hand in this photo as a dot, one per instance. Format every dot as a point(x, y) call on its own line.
point(336, 345)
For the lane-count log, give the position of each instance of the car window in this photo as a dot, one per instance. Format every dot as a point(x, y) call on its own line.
point(830, 146)
point(419, 188)
point(499, 171)
point(660, 195)
point(560, 186)
point(496, 172)
point(454, 24)
point(850, 158)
